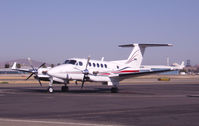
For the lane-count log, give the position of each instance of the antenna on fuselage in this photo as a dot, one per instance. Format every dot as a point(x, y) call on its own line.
point(102, 59)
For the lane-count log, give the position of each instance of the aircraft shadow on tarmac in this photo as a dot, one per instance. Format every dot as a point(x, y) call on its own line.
point(57, 90)
point(73, 90)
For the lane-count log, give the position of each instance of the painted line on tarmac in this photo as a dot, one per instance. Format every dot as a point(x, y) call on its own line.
point(50, 122)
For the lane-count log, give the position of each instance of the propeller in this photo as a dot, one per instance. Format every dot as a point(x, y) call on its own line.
point(35, 71)
point(85, 72)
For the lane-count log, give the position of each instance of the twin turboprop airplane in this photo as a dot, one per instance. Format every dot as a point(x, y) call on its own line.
point(107, 72)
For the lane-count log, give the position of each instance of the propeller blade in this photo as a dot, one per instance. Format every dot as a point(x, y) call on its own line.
point(87, 61)
point(40, 82)
point(37, 77)
point(30, 62)
point(85, 72)
point(83, 82)
point(29, 76)
point(41, 65)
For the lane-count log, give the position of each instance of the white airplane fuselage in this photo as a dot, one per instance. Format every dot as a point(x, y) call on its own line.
point(99, 71)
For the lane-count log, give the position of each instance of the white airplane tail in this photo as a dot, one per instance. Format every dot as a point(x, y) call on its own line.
point(136, 56)
point(14, 67)
point(179, 66)
point(182, 65)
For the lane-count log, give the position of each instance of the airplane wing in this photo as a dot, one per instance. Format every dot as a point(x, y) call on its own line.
point(14, 67)
point(123, 76)
point(23, 70)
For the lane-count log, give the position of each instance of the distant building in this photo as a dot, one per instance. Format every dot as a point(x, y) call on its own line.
point(191, 69)
point(188, 63)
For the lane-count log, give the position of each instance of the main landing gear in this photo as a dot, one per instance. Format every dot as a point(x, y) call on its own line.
point(64, 88)
point(114, 90)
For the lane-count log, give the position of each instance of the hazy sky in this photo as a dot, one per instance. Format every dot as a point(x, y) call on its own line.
point(54, 30)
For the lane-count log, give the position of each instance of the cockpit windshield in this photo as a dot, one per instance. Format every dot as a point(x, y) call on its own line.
point(70, 62)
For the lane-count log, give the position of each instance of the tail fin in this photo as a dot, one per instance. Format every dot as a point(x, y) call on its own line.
point(178, 66)
point(182, 65)
point(14, 67)
point(136, 56)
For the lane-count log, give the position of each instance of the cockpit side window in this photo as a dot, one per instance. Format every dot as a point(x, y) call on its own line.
point(70, 62)
point(66, 61)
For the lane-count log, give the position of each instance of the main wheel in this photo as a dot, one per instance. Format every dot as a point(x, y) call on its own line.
point(64, 88)
point(50, 90)
point(114, 90)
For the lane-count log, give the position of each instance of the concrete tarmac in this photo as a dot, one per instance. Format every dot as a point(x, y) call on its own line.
point(147, 103)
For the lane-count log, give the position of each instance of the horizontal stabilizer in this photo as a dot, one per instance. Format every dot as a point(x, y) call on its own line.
point(145, 45)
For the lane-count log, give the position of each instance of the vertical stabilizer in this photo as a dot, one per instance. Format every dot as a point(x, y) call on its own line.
point(14, 67)
point(136, 56)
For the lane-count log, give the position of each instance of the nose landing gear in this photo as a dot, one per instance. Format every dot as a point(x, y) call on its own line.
point(50, 89)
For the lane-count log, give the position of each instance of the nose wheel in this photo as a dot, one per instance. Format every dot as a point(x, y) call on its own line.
point(50, 90)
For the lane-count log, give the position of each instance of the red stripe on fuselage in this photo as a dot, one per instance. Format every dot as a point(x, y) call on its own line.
point(105, 74)
point(131, 71)
point(127, 71)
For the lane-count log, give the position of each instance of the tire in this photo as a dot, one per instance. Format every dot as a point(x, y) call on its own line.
point(50, 90)
point(64, 89)
point(114, 90)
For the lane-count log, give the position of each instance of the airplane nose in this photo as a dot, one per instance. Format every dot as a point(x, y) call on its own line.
point(57, 72)
point(51, 72)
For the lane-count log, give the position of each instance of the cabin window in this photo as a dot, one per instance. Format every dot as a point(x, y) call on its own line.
point(102, 66)
point(94, 65)
point(98, 65)
point(105, 65)
point(89, 64)
point(118, 67)
point(80, 63)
